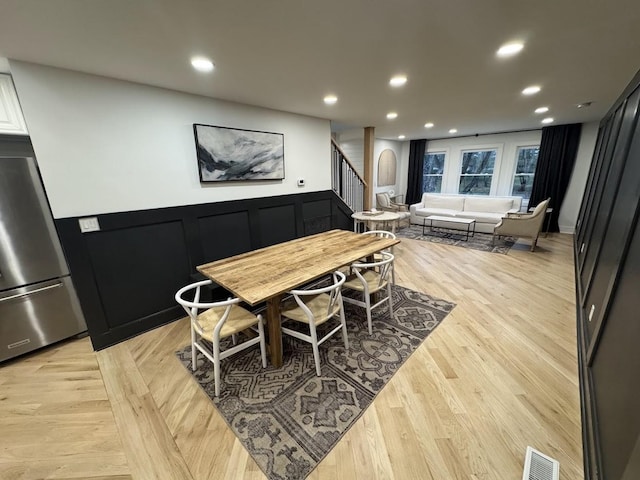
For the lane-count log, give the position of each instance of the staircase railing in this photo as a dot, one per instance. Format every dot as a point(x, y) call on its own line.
point(345, 180)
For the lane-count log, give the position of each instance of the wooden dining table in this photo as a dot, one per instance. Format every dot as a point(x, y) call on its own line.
point(267, 274)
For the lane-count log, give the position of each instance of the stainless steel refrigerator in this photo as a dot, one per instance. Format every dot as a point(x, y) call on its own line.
point(38, 304)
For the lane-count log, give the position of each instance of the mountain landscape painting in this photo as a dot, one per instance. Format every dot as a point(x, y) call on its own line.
point(233, 154)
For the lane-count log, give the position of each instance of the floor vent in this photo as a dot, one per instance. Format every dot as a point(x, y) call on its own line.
point(538, 466)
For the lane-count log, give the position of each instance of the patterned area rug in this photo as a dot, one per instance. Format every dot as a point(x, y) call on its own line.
point(289, 418)
point(479, 241)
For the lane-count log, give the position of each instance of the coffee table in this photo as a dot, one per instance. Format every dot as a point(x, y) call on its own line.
point(468, 223)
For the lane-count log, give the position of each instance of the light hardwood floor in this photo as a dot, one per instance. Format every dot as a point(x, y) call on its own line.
point(499, 373)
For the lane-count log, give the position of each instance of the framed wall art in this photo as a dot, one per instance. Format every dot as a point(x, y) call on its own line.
point(231, 154)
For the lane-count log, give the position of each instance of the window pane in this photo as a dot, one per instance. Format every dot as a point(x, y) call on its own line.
point(478, 162)
point(525, 171)
point(433, 163)
point(527, 160)
point(433, 168)
point(522, 186)
point(476, 173)
point(432, 184)
point(475, 184)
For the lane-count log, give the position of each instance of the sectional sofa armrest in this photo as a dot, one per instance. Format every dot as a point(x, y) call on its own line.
point(413, 207)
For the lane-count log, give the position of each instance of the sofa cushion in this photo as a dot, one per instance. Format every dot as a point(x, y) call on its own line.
point(445, 212)
point(430, 200)
point(487, 204)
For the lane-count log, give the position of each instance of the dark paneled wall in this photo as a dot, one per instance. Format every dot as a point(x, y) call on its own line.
point(607, 252)
point(127, 273)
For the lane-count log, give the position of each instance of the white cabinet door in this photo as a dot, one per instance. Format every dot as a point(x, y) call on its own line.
point(11, 120)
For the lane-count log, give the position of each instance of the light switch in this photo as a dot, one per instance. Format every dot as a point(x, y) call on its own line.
point(89, 224)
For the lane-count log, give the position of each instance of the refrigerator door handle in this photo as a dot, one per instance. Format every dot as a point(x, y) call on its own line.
point(26, 294)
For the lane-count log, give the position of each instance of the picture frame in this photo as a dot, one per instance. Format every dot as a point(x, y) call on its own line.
point(235, 154)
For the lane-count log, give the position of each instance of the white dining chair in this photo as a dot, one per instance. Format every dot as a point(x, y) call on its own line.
point(377, 257)
point(314, 307)
point(368, 279)
point(215, 321)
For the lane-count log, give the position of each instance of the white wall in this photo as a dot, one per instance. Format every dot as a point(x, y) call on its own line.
point(105, 145)
point(573, 199)
point(378, 147)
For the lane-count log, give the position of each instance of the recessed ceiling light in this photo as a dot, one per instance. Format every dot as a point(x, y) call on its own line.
point(428, 125)
point(453, 130)
point(509, 49)
point(202, 64)
point(401, 137)
point(392, 115)
point(547, 120)
point(541, 110)
point(532, 90)
point(584, 105)
point(398, 80)
point(330, 99)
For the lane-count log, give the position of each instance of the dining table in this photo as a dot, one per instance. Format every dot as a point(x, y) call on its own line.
point(378, 219)
point(267, 274)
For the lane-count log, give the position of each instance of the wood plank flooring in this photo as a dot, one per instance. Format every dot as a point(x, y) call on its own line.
point(500, 373)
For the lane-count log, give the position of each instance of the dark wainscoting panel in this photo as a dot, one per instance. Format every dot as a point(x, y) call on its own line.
point(127, 273)
point(138, 270)
point(594, 201)
point(607, 254)
point(224, 235)
point(615, 366)
point(317, 216)
point(276, 225)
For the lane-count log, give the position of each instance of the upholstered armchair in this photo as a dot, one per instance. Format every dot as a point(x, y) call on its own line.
point(523, 224)
point(383, 202)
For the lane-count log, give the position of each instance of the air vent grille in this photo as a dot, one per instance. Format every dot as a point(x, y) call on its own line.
point(538, 466)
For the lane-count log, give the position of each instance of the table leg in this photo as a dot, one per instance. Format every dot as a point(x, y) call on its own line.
point(275, 332)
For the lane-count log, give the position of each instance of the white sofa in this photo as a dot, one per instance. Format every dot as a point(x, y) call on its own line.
point(486, 211)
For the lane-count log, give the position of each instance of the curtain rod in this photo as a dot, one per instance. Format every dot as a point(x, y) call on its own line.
point(481, 134)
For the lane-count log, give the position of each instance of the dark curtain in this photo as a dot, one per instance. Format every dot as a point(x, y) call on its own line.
point(558, 149)
point(414, 179)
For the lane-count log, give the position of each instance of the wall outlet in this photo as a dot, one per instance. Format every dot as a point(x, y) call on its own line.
point(89, 224)
point(301, 182)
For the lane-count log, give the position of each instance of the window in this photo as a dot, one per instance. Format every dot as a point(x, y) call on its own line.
point(527, 159)
point(476, 173)
point(432, 170)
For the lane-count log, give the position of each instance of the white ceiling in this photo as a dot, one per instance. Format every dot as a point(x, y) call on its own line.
point(288, 54)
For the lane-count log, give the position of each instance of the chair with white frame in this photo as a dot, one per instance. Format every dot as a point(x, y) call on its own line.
point(369, 279)
point(217, 321)
point(314, 307)
point(377, 256)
